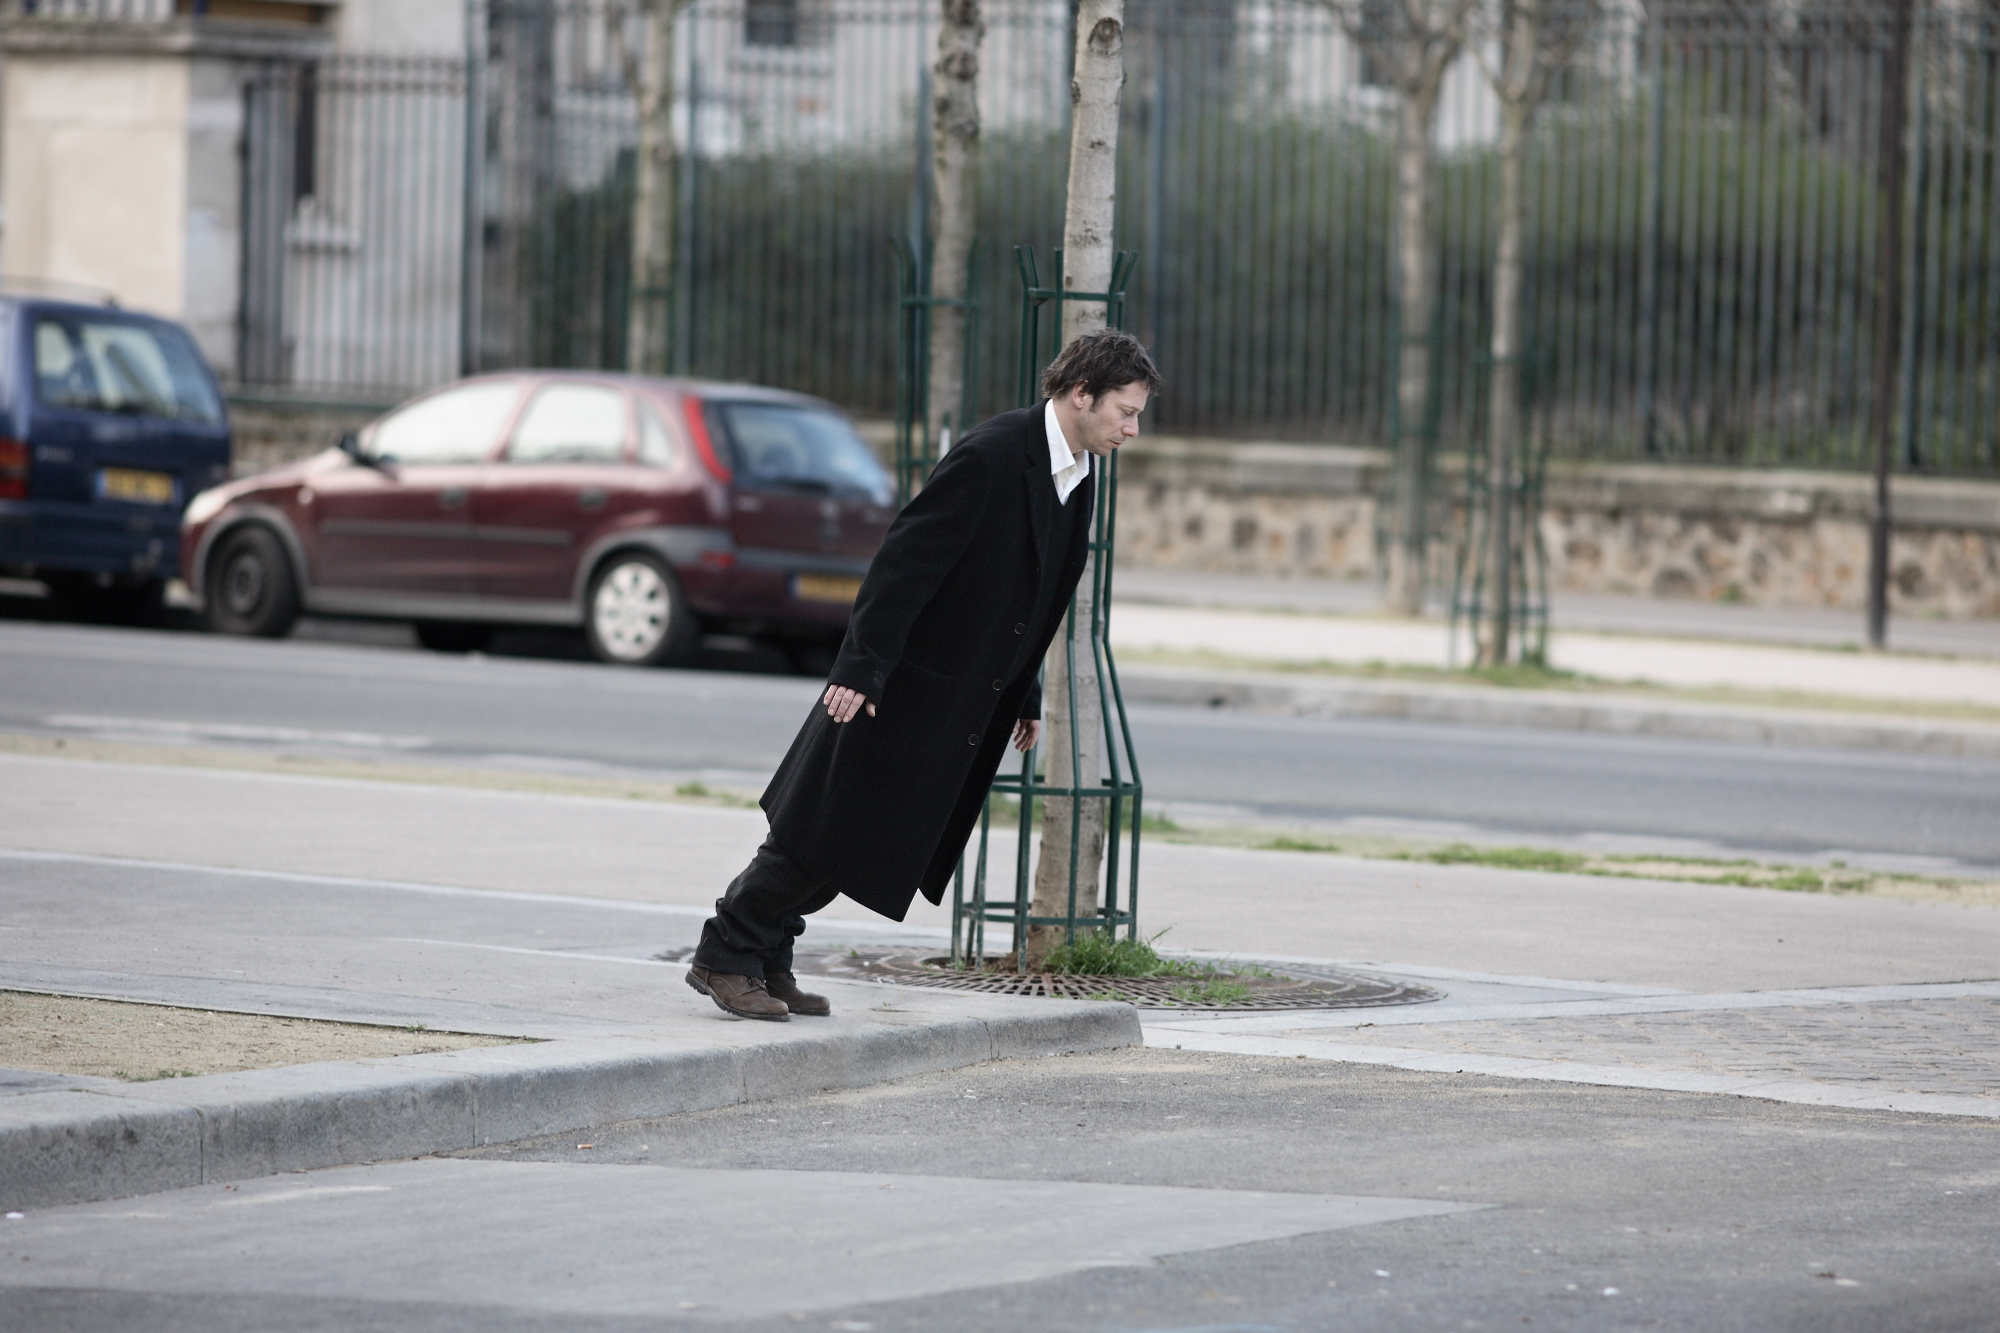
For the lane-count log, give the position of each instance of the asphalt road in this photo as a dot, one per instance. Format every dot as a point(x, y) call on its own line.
point(731, 724)
point(1138, 1190)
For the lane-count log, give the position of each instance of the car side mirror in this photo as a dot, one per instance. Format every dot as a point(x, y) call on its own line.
point(350, 444)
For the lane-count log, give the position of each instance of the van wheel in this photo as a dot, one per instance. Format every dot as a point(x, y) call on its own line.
point(251, 589)
point(453, 636)
point(637, 615)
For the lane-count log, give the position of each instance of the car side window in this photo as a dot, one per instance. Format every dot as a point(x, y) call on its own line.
point(456, 426)
point(571, 423)
point(656, 447)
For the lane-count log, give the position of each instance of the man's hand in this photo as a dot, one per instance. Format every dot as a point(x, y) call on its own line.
point(842, 703)
point(1026, 732)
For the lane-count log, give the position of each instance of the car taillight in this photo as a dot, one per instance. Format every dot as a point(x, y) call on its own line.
point(697, 424)
point(13, 470)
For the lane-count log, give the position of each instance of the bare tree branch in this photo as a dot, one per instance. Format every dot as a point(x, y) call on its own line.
point(616, 15)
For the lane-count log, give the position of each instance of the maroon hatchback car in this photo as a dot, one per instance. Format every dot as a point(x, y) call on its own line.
point(645, 511)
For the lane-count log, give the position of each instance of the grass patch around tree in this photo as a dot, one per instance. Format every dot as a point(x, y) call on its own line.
point(1739, 872)
point(1100, 953)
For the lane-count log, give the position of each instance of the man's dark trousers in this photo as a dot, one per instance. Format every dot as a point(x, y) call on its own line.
point(760, 914)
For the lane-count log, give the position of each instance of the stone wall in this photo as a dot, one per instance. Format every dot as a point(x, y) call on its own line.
point(1281, 509)
point(1762, 537)
point(268, 432)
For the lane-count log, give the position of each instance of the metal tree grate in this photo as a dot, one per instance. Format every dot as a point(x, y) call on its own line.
point(1313, 988)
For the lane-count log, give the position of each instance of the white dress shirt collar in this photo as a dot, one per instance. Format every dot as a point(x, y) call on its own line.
point(1065, 466)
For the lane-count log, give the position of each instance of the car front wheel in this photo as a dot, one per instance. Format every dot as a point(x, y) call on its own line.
point(636, 614)
point(250, 586)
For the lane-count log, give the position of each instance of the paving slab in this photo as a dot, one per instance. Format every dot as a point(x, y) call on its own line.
point(660, 1241)
point(1929, 1049)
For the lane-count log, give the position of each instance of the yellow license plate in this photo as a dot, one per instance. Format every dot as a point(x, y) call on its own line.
point(825, 588)
point(152, 488)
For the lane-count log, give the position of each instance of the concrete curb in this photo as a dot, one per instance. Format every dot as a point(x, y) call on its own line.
point(1557, 711)
point(92, 1139)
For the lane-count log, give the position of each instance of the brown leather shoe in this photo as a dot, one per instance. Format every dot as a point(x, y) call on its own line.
point(745, 997)
point(784, 986)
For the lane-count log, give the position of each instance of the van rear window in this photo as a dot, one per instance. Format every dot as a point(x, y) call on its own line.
point(107, 365)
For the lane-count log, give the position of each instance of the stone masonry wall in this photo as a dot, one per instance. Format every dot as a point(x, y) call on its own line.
point(1248, 508)
point(1767, 538)
point(267, 434)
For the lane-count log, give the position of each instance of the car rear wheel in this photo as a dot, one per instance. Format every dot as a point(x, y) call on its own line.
point(453, 636)
point(250, 586)
point(636, 614)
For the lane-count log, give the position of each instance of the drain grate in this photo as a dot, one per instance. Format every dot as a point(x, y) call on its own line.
point(1298, 988)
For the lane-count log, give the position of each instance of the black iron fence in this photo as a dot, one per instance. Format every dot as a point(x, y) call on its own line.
point(1701, 221)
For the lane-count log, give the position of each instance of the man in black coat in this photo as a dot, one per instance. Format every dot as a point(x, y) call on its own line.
point(939, 669)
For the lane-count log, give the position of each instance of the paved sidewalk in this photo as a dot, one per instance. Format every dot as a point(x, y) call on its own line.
point(1299, 638)
point(612, 1033)
point(1601, 613)
point(1930, 1049)
point(540, 917)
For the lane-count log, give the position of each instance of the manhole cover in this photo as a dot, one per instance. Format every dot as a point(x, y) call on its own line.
point(1295, 988)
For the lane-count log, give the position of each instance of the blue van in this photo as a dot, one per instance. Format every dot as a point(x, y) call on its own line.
point(110, 422)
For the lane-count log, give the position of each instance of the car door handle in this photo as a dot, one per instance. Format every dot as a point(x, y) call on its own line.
point(591, 499)
point(452, 497)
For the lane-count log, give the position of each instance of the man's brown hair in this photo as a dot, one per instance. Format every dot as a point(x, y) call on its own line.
point(1100, 361)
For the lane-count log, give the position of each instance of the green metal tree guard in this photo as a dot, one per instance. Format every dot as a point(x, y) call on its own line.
point(916, 452)
point(1121, 790)
point(1473, 576)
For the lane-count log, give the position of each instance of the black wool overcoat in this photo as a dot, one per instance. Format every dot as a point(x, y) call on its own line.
point(945, 640)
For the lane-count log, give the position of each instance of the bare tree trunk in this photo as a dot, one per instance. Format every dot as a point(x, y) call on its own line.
point(646, 338)
point(1414, 43)
point(1416, 271)
point(1093, 160)
point(1888, 309)
point(956, 138)
point(1504, 398)
point(1538, 45)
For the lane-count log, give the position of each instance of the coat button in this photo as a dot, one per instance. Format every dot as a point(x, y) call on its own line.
point(972, 740)
point(999, 684)
point(1020, 629)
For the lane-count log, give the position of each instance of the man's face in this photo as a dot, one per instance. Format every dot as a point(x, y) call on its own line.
point(1105, 422)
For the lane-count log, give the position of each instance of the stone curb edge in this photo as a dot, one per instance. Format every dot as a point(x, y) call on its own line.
point(96, 1139)
point(1557, 711)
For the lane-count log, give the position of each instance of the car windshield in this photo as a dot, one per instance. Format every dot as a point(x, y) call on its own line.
point(777, 445)
point(456, 425)
point(109, 365)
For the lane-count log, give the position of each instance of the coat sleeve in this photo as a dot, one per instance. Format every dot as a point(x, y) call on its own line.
point(927, 539)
